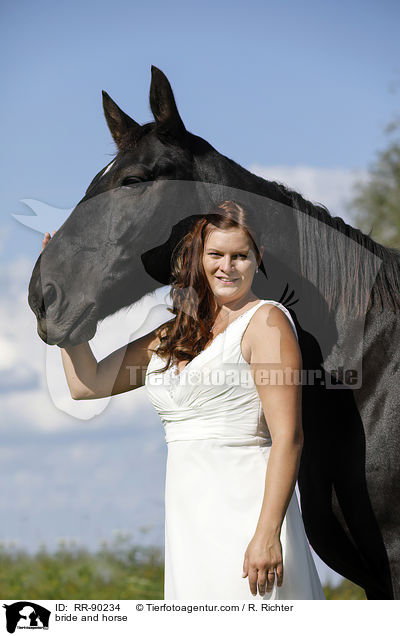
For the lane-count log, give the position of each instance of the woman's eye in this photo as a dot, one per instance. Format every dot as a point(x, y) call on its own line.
point(216, 254)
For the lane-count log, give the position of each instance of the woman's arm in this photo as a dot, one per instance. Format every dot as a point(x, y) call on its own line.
point(121, 371)
point(276, 367)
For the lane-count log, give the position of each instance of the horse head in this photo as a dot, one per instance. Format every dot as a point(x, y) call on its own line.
point(95, 263)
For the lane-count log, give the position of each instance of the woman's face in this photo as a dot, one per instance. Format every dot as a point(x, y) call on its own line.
point(229, 264)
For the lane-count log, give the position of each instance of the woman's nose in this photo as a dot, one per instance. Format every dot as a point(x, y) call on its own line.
point(226, 264)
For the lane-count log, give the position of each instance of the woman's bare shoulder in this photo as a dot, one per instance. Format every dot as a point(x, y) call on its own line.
point(268, 321)
point(269, 316)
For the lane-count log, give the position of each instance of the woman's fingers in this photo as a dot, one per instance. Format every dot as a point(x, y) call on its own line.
point(262, 579)
point(270, 580)
point(245, 567)
point(279, 574)
point(253, 575)
point(46, 239)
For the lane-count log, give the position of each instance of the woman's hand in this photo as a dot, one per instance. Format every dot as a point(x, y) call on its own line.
point(46, 239)
point(262, 557)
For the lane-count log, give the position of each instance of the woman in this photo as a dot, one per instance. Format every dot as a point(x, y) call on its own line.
point(216, 374)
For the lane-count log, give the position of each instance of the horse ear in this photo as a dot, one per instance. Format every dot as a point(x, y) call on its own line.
point(162, 103)
point(122, 127)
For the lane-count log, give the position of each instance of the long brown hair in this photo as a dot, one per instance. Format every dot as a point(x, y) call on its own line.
point(193, 302)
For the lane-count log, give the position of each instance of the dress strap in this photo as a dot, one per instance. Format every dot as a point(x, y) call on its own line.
point(244, 320)
point(233, 344)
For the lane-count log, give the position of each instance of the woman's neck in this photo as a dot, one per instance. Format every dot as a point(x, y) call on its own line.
point(224, 310)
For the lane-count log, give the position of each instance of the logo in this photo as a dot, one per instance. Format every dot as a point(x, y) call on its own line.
point(26, 615)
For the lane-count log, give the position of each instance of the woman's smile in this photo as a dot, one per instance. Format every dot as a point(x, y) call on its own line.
point(227, 281)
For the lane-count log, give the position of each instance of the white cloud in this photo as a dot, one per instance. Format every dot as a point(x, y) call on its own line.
point(8, 354)
point(333, 187)
point(82, 485)
point(4, 235)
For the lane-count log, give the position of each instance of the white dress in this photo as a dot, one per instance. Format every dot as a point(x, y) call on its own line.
point(218, 448)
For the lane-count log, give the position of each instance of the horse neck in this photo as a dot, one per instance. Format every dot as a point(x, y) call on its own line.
point(213, 167)
point(327, 245)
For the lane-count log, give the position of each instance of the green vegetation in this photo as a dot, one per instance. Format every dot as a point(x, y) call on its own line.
point(375, 208)
point(116, 571)
point(346, 591)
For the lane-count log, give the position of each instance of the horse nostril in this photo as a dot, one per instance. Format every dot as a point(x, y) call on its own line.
point(49, 296)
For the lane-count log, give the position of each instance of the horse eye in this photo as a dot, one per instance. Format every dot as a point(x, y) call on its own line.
point(130, 181)
point(134, 179)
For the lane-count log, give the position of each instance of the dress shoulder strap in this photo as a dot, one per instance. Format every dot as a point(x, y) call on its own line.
point(247, 316)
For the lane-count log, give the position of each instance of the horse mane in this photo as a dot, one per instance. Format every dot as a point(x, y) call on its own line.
point(130, 140)
point(371, 270)
point(376, 282)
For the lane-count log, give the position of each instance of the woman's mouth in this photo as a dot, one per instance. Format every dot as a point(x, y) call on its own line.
point(227, 281)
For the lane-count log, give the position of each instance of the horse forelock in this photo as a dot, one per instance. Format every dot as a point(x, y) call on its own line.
point(132, 137)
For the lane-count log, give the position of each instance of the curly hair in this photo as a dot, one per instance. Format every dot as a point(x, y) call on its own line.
point(193, 302)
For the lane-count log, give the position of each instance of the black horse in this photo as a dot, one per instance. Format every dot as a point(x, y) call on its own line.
point(116, 246)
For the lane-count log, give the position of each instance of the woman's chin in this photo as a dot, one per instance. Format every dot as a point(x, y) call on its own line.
point(226, 290)
point(228, 293)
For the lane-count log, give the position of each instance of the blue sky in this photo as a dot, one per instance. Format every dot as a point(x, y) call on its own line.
point(267, 83)
point(298, 92)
